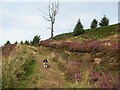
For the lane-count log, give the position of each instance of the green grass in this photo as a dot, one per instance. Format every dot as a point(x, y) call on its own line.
point(100, 32)
point(63, 36)
point(97, 33)
point(28, 70)
point(65, 55)
point(18, 67)
point(29, 67)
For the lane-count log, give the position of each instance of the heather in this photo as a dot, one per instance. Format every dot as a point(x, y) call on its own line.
point(91, 63)
point(88, 60)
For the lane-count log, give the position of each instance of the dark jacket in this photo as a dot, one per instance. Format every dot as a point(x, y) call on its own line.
point(45, 60)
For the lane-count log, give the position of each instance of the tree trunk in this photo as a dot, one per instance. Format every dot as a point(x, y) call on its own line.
point(53, 10)
point(52, 31)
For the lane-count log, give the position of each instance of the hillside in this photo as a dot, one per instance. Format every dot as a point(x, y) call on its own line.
point(89, 60)
point(98, 33)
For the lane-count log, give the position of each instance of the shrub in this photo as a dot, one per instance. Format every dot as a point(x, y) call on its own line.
point(28, 68)
point(17, 68)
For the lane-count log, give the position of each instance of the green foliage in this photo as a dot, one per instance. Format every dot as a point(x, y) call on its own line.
point(36, 39)
point(78, 28)
point(63, 36)
point(100, 32)
point(16, 42)
point(21, 42)
point(94, 24)
point(97, 68)
point(29, 67)
point(31, 43)
point(26, 42)
point(7, 43)
point(95, 33)
point(19, 68)
point(104, 21)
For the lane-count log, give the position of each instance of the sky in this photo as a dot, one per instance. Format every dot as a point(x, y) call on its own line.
point(23, 20)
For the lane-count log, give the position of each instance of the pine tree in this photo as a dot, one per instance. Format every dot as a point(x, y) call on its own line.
point(36, 39)
point(94, 24)
point(78, 28)
point(21, 42)
point(104, 21)
point(26, 42)
point(16, 42)
point(7, 43)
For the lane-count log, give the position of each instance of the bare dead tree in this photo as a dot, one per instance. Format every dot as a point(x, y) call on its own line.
point(51, 15)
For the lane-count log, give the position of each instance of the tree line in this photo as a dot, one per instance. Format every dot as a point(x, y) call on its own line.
point(34, 41)
point(94, 24)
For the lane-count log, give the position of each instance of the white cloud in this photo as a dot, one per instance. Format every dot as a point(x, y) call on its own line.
point(24, 26)
point(23, 20)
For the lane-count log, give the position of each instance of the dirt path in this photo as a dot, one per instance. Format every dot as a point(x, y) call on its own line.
point(50, 77)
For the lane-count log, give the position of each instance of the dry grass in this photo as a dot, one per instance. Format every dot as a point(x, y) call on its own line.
point(14, 67)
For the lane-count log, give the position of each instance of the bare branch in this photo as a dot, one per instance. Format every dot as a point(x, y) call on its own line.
point(43, 12)
point(46, 18)
point(49, 28)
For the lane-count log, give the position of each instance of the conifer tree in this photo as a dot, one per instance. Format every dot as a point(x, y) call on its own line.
point(26, 42)
point(16, 42)
point(21, 42)
point(94, 24)
point(104, 21)
point(78, 28)
point(7, 43)
point(36, 39)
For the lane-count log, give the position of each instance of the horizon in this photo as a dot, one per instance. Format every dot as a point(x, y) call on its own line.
point(24, 20)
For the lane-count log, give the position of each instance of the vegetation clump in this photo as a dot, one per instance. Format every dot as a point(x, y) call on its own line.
point(18, 67)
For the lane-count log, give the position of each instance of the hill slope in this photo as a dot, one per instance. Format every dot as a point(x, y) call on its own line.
point(19, 58)
point(98, 33)
point(89, 60)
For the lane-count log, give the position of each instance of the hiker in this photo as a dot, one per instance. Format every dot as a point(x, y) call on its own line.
point(45, 61)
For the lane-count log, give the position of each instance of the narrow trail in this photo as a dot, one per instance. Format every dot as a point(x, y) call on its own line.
point(50, 77)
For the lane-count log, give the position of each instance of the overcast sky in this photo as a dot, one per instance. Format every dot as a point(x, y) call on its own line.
point(23, 20)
